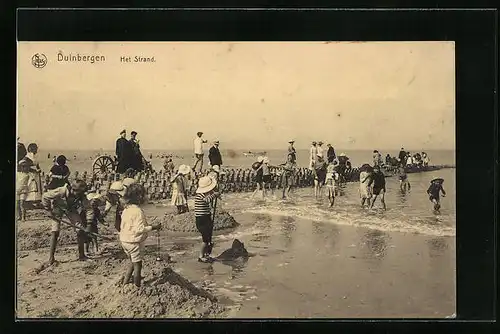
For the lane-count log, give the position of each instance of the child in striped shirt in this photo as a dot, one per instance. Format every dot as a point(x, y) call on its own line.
point(205, 194)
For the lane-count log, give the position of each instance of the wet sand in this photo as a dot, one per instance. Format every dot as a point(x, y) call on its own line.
point(299, 269)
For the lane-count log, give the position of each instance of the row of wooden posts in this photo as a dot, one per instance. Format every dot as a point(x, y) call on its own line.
point(158, 184)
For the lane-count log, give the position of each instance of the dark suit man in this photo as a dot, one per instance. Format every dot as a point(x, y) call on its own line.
point(214, 155)
point(330, 154)
point(123, 153)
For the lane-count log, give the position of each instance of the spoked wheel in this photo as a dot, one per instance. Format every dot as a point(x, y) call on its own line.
point(102, 165)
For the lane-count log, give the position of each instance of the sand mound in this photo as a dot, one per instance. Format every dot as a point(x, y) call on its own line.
point(39, 236)
point(165, 295)
point(186, 222)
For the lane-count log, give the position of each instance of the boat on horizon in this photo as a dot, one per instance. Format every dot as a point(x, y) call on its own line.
point(253, 154)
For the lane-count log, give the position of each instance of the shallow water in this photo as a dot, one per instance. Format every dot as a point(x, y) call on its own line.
point(315, 261)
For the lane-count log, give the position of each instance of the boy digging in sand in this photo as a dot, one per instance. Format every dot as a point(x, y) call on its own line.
point(134, 231)
point(434, 190)
point(72, 201)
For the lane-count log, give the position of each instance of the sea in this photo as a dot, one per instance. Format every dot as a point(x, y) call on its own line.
point(312, 260)
point(406, 212)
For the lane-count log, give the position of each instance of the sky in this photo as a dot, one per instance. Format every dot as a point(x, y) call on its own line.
point(373, 95)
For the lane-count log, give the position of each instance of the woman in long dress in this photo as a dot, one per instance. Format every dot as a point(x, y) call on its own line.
point(28, 180)
point(180, 187)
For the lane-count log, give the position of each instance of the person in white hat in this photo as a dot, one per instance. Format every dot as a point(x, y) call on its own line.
point(215, 172)
point(313, 153)
point(320, 149)
point(205, 195)
point(214, 155)
point(114, 197)
point(292, 151)
point(198, 151)
point(180, 187)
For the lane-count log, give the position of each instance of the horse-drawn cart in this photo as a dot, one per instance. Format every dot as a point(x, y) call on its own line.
point(105, 164)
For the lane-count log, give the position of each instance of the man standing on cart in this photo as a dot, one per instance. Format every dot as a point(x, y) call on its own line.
point(123, 153)
point(137, 158)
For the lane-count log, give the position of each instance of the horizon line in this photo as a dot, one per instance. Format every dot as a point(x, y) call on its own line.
point(251, 149)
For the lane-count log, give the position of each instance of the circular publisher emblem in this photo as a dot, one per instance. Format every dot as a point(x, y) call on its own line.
point(39, 60)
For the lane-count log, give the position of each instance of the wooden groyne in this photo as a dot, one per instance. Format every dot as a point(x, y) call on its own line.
point(234, 180)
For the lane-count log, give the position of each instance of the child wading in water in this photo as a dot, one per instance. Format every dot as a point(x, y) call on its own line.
point(404, 184)
point(378, 182)
point(205, 195)
point(258, 168)
point(180, 188)
point(330, 183)
point(319, 175)
point(365, 190)
point(134, 231)
point(434, 190)
point(288, 176)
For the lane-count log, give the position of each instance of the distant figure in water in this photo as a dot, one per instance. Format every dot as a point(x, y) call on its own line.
point(425, 159)
point(288, 175)
point(378, 182)
point(74, 157)
point(330, 183)
point(404, 184)
point(320, 170)
point(364, 179)
point(48, 156)
point(259, 174)
point(434, 191)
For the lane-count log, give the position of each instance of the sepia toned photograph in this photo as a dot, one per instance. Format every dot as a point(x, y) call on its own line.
point(236, 180)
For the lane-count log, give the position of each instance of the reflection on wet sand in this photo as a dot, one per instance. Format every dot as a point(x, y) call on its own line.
point(376, 244)
point(287, 229)
point(437, 247)
point(325, 235)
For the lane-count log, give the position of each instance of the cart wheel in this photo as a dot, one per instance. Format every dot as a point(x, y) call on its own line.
point(102, 165)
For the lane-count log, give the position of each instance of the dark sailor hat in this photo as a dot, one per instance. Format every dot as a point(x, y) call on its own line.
point(133, 132)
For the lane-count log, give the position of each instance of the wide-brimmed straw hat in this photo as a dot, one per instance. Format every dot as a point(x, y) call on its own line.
point(313, 142)
point(92, 196)
point(217, 169)
point(184, 169)
point(266, 160)
point(291, 141)
point(216, 142)
point(206, 184)
point(342, 154)
point(128, 181)
point(320, 143)
point(117, 187)
point(260, 159)
point(438, 180)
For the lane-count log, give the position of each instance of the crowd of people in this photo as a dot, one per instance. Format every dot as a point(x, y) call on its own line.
point(83, 207)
